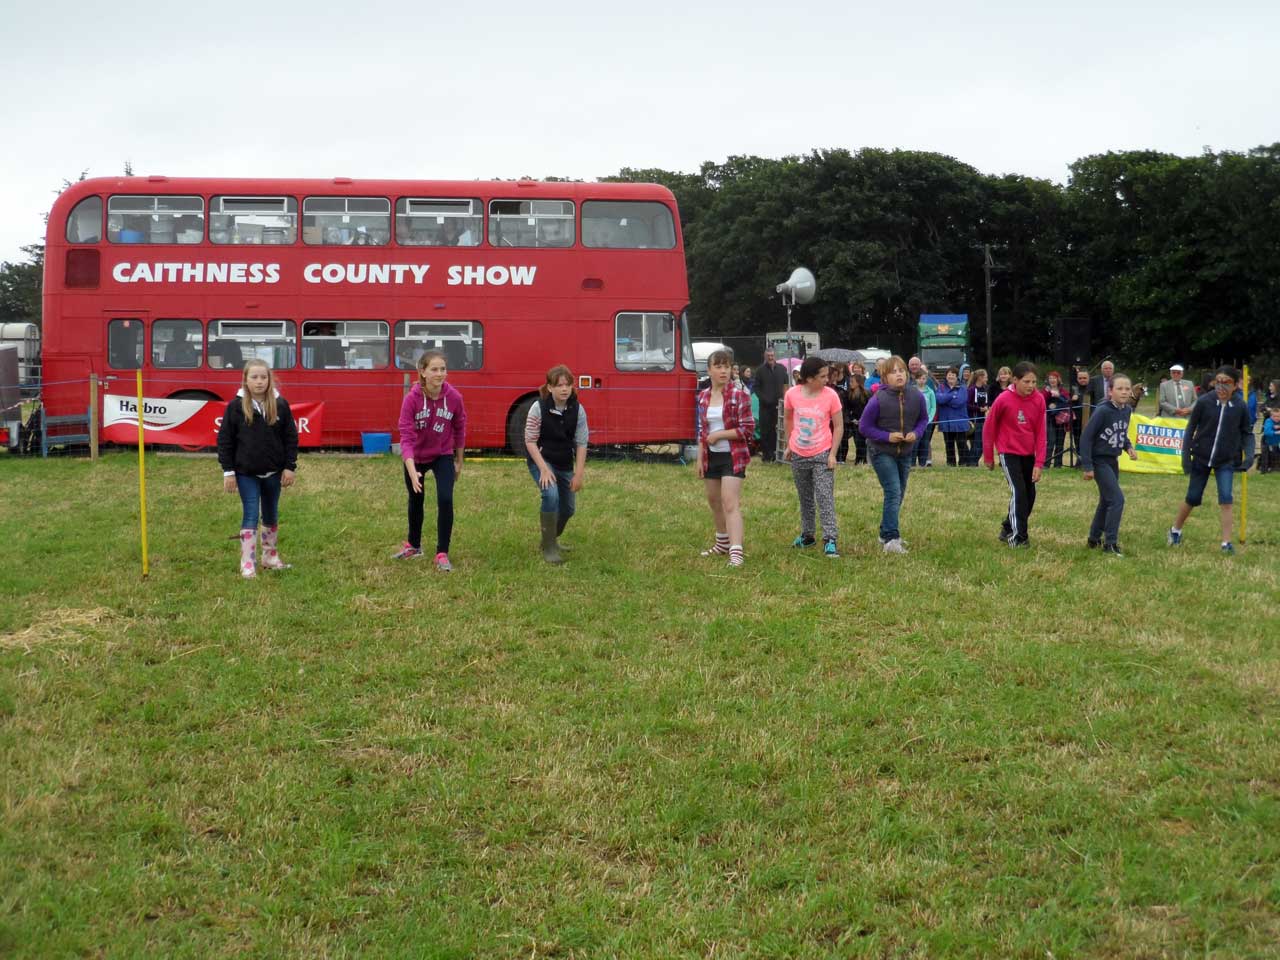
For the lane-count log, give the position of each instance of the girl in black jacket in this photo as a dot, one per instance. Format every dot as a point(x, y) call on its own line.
point(258, 451)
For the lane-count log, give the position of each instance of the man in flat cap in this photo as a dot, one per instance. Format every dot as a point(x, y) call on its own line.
point(1177, 396)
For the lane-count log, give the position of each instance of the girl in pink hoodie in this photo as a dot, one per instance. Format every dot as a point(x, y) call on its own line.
point(1015, 428)
point(433, 426)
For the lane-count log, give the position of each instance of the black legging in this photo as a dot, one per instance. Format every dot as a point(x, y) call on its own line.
point(445, 475)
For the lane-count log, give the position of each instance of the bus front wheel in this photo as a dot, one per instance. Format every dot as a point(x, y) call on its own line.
point(515, 426)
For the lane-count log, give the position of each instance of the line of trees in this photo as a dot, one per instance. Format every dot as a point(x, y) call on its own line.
point(1168, 256)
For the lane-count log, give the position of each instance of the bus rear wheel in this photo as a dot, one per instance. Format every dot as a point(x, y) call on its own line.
point(515, 426)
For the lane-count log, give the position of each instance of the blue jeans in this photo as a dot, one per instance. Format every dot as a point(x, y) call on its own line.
point(1200, 479)
point(1106, 518)
point(892, 472)
point(258, 493)
point(558, 498)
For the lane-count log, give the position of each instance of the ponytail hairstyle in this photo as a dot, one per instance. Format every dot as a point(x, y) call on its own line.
point(268, 402)
point(555, 375)
point(810, 368)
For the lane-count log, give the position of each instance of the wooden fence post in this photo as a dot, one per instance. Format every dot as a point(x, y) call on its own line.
point(93, 416)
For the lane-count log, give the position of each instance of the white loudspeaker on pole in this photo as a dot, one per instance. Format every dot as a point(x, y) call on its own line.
point(800, 287)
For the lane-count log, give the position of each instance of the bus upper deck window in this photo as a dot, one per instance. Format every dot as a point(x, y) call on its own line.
point(531, 223)
point(266, 220)
point(346, 221)
point(628, 224)
point(448, 222)
point(155, 219)
point(84, 225)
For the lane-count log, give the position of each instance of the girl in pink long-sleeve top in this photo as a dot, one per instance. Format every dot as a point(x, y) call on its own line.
point(433, 427)
point(1015, 428)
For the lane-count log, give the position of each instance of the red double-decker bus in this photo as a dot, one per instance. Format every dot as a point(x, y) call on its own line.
point(342, 284)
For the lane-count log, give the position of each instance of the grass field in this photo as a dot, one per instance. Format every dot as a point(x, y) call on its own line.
point(964, 752)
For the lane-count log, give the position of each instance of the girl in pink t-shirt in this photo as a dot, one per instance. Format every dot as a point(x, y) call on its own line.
point(814, 424)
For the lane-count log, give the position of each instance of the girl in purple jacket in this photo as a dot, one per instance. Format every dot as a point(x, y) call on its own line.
point(433, 425)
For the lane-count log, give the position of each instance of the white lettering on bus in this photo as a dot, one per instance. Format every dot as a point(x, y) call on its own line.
point(495, 276)
point(303, 425)
point(196, 272)
point(364, 272)
point(467, 275)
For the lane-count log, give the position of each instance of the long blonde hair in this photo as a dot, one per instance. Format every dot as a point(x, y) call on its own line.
point(268, 402)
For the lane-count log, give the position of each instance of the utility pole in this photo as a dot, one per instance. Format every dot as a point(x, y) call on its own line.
point(987, 264)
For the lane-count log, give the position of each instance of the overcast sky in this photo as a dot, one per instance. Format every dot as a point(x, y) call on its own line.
point(497, 89)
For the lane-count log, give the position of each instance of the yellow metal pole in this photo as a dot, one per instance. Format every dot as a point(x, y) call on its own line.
point(142, 480)
point(1244, 477)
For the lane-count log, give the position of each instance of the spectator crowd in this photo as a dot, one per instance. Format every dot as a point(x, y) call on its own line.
point(959, 400)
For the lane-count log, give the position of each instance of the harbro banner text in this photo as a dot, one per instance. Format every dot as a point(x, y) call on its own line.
point(189, 422)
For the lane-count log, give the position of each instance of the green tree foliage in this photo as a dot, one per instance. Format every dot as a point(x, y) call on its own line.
point(1179, 255)
point(1168, 255)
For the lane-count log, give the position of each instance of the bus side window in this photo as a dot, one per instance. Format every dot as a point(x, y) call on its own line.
point(124, 344)
point(176, 343)
point(225, 354)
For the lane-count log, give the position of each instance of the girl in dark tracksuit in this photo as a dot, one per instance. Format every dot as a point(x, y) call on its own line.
point(1102, 440)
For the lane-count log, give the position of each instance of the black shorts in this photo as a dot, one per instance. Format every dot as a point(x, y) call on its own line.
point(720, 465)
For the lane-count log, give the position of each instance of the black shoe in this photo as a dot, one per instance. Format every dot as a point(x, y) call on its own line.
point(1113, 550)
point(1005, 535)
point(1019, 544)
point(1094, 544)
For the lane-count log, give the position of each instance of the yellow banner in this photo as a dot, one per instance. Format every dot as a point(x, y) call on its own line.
point(1158, 443)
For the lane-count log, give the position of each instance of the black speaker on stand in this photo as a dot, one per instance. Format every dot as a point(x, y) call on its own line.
point(1072, 341)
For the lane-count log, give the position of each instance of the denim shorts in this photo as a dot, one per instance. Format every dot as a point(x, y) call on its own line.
point(1200, 479)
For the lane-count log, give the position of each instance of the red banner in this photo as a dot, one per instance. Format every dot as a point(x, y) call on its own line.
point(189, 423)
